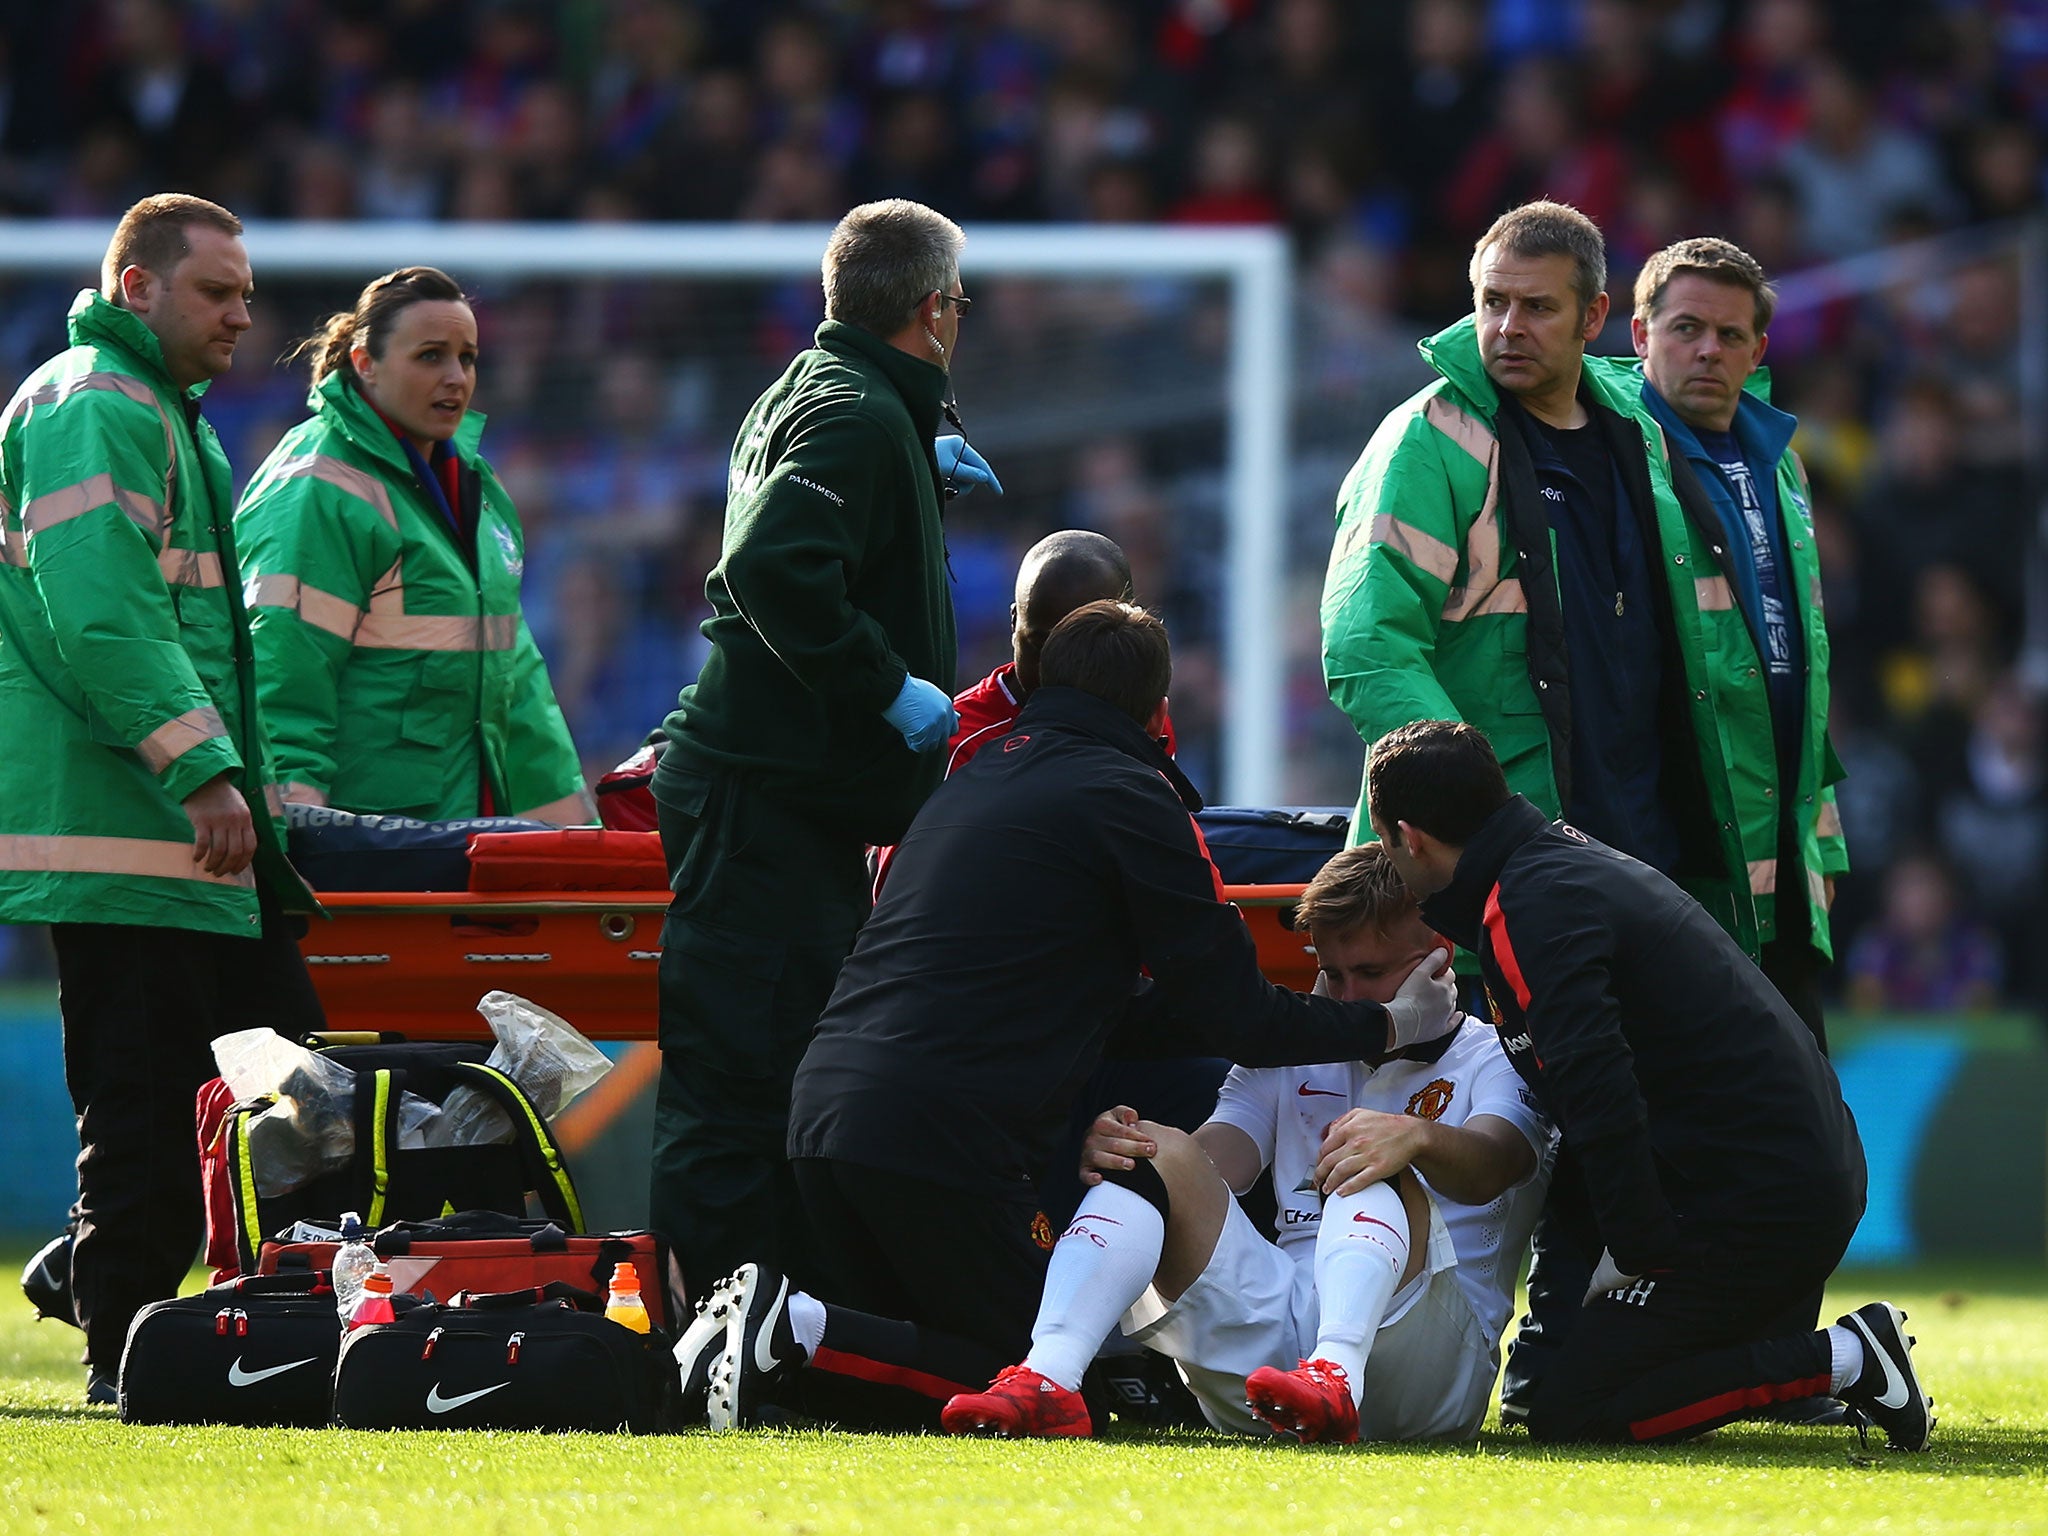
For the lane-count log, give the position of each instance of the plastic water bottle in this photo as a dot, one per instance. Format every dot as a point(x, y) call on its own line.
point(353, 1260)
point(625, 1307)
point(374, 1304)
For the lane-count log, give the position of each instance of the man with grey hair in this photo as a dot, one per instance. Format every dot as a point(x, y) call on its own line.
point(817, 726)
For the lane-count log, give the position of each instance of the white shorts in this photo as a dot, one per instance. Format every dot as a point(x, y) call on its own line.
point(1430, 1373)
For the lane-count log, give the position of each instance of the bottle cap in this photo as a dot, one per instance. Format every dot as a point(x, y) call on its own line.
point(378, 1281)
point(625, 1278)
point(351, 1226)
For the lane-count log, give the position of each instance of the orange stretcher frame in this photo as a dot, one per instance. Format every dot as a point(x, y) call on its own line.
point(417, 962)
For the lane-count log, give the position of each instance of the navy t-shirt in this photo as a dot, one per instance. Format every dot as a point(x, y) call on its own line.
point(1612, 642)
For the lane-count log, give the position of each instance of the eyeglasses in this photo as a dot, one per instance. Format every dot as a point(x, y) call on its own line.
point(958, 301)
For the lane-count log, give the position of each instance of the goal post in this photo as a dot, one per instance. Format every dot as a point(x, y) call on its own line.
point(1253, 265)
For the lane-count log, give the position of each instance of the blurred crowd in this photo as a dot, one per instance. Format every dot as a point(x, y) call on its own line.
point(1382, 134)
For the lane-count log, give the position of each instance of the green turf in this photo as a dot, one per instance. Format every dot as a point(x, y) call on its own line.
point(1983, 1342)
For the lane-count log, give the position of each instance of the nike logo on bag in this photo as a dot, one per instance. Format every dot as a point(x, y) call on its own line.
point(237, 1377)
point(1307, 1092)
point(436, 1403)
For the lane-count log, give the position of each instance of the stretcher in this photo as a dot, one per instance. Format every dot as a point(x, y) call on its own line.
point(417, 962)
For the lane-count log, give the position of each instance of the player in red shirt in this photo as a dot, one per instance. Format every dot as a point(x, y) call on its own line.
point(1059, 573)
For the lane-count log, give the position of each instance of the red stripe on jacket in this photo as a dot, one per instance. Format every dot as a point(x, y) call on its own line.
point(1503, 949)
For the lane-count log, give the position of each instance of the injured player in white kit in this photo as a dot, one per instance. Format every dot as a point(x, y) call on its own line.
point(1406, 1194)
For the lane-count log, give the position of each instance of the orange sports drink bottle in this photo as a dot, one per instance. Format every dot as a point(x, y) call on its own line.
point(625, 1307)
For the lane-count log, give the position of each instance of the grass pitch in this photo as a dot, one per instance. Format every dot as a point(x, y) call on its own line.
point(1983, 1343)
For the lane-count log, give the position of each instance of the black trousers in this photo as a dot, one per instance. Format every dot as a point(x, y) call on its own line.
point(1675, 1356)
point(1559, 1265)
point(1794, 967)
point(141, 1008)
point(766, 907)
point(929, 1291)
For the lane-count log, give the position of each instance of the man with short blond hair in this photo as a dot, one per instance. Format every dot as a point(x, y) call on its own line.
point(1406, 1190)
point(136, 815)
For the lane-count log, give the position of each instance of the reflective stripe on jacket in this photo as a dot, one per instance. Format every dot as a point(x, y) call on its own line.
point(394, 676)
point(126, 680)
point(1425, 617)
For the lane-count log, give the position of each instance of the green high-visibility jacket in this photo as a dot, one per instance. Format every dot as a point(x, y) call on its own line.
point(396, 679)
point(1426, 617)
point(126, 673)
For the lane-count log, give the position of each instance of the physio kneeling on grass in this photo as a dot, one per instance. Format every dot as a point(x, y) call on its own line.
point(1723, 1171)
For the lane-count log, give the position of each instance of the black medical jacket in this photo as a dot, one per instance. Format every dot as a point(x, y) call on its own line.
point(1003, 961)
point(1698, 1105)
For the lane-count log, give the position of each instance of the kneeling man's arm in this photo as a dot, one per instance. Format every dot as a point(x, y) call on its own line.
point(1118, 1140)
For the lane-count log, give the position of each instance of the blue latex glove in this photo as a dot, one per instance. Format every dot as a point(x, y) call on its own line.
point(923, 714)
point(963, 468)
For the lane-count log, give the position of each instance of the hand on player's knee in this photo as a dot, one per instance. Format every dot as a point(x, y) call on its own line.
point(1116, 1140)
point(1365, 1147)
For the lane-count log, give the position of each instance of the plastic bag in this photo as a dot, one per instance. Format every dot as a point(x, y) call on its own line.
point(540, 1052)
point(310, 1130)
point(419, 1122)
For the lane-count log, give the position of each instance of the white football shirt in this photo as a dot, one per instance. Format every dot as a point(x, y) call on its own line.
point(1285, 1111)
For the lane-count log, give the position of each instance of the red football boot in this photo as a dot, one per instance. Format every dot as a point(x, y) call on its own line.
point(1312, 1403)
point(1019, 1404)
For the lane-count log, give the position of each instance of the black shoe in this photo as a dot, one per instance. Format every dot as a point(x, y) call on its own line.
point(100, 1388)
point(701, 1345)
point(46, 1282)
point(760, 1349)
point(1805, 1412)
point(1887, 1392)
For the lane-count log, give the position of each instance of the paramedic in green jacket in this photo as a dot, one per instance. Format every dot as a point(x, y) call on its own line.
point(383, 561)
point(817, 726)
point(1510, 553)
point(1702, 316)
point(136, 816)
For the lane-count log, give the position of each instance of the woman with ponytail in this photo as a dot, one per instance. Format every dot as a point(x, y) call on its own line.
point(382, 559)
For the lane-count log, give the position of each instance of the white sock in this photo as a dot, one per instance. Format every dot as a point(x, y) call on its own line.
point(1101, 1264)
point(807, 1322)
point(1361, 1250)
point(1845, 1347)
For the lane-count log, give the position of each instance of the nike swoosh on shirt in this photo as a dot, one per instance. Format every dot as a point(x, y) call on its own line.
point(237, 1377)
point(436, 1403)
point(1307, 1092)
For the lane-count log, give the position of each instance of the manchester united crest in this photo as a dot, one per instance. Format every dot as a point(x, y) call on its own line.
point(1041, 1231)
point(1432, 1100)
